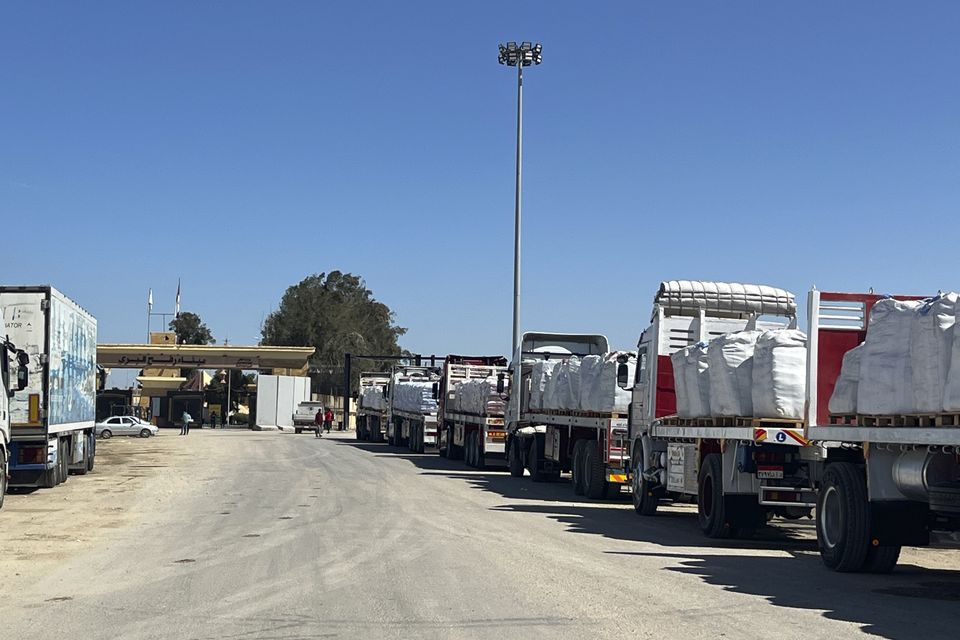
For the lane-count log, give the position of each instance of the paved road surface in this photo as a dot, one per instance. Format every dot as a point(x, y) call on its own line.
point(283, 536)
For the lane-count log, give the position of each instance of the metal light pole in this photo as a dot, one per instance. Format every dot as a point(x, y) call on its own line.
point(523, 55)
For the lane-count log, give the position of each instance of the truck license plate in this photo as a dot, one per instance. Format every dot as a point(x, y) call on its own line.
point(770, 473)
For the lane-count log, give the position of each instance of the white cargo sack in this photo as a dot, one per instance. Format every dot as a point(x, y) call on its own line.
point(731, 373)
point(779, 374)
point(844, 398)
point(567, 385)
point(886, 374)
point(691, 381)
point(599, 391)
point(951, 391)
point(931, 343)
point(540, 375)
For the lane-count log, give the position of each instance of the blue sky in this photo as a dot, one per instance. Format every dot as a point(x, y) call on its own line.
point(241, 146)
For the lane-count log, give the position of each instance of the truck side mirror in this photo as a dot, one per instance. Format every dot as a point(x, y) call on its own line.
point(500, 385)
point(436, 390)
point(23, 371)
point(623, 375)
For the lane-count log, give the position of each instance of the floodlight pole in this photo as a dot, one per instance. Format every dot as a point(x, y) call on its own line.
point(516, 222)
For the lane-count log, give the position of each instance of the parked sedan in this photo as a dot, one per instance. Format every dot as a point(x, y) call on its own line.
point(125, 426)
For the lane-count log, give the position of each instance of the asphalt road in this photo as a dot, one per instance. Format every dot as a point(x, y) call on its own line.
point(283, 536)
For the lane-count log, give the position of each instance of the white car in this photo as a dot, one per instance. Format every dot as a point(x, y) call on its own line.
point(125, 426)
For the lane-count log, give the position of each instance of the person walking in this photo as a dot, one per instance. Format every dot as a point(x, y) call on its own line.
point(318, 422)
point(327, 419)
point(185, 429)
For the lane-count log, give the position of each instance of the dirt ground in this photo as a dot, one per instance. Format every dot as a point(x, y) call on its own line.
point(132, 477)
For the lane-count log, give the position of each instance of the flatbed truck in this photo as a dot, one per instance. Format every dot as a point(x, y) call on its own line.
point(592, 446)
point(372, 420)
point(478, 438)
point(413, 428)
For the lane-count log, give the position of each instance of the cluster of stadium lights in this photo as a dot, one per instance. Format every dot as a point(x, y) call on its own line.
point(523, 54)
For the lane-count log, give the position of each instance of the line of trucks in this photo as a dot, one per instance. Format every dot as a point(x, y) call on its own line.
point(48, 364)
point(724, 403)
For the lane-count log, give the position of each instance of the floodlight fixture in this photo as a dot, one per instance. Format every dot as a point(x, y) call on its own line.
point(525, 54)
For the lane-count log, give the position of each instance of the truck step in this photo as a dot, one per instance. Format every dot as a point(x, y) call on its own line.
point(773, 496)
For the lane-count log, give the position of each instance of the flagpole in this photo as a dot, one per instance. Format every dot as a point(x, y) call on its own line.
point(149, 309)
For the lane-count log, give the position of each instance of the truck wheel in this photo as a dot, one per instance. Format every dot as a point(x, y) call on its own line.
point(711, 507)
point(881, 559)
point(92, 452)
point(63, 459)
point(515, 457)
point(594, 472)
point(576, 470)
point(478, 451)
point(534, 458)
point(472, 448)
point(3, 476)
point(843, 527)
point(298, 430)
point(646, 499)
point(82, 471)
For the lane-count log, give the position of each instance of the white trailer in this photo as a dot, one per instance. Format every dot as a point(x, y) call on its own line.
point(738, 469)
point(477, 436)
point(593, 446)
point(52, 418)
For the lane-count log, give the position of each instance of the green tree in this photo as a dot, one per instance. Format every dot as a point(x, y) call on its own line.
point(335, 313)
point(190, 329)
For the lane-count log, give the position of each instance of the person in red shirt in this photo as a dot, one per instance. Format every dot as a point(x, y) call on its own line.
point(328, 420)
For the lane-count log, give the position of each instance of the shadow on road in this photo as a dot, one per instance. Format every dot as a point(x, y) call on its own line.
point(912, 603)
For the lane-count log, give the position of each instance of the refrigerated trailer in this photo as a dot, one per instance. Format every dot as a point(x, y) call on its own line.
point(593, 446)
point(52, 417)
point(478, 437)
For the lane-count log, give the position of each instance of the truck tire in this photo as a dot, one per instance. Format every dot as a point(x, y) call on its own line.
point(3, 476)
point(515, 457)
point(478, 451)
point(576, 470)
point(646, 499)
point(297, 430)
point(92, 451)
point(881, 559)
point(594, 472)
point(451, 449)
point(534, 458)
point(843, 518)
point(468, 449)
point(82, 471)
point(64, 465)
point(711, 507)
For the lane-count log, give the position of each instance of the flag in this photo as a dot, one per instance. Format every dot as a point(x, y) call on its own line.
point(150, 300)
point(176, 311)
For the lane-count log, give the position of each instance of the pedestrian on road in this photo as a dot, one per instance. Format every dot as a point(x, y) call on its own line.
point(185, 429)
point(318, 422)
point(328, 419)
